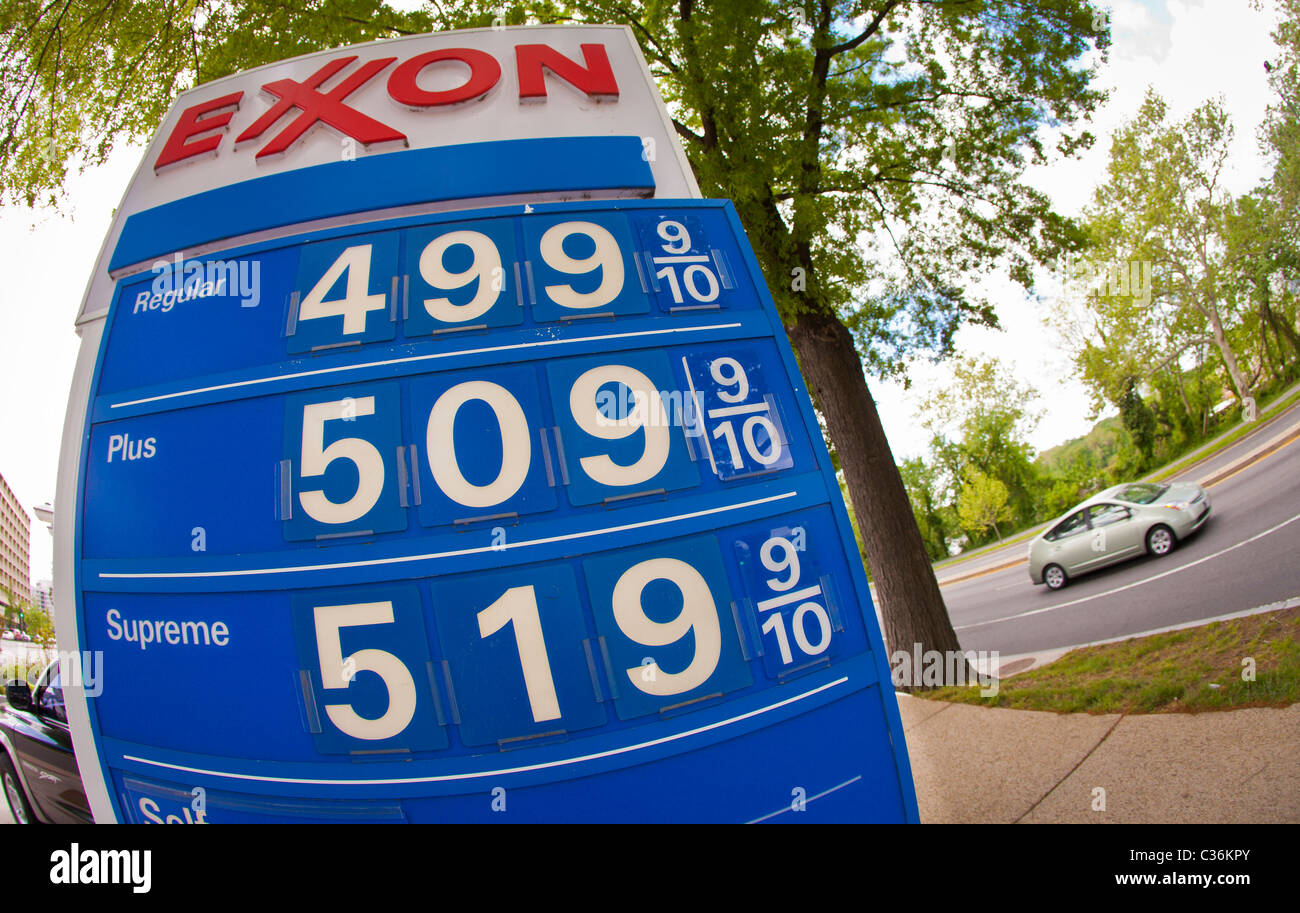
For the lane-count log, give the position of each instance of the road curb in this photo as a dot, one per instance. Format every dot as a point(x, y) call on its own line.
point(980, 573)
point(1259, 453)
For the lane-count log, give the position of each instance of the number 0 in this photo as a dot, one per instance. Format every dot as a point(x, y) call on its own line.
point(516, 444)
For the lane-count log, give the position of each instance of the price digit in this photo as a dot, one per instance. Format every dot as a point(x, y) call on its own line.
point(780, 556)
point(485, 267)
point(337, 671)
point(518, 606)
point(356, 302)
point(698, 617)
point(606, 257)
point(647, 415)
point(516, 444)
point(789, 561)
point(316, 459)
point(675, 234)
point(728, 373)
point(758, 432)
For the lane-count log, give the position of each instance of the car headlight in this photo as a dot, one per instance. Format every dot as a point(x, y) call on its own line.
point(1180, 505)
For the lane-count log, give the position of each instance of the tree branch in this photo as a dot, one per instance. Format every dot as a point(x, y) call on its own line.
point(872, 28)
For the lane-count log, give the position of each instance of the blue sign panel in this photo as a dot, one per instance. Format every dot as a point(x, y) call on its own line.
point(513, 514)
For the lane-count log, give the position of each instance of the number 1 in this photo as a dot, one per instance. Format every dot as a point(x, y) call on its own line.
point(519, 605)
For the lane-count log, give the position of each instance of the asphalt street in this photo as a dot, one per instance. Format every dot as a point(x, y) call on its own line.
point(1247, 555)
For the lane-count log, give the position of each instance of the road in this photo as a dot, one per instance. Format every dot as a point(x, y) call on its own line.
point(1247, 555)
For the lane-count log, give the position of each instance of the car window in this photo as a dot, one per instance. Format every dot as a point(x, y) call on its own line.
point(1070, 526)
point(1141, 492)
point(44, 678)
point(50, 701)
point(1106, 514)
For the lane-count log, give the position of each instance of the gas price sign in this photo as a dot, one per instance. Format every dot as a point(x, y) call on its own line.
point(509, 511)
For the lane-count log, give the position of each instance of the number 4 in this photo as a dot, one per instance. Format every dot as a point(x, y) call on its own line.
point(356, 302)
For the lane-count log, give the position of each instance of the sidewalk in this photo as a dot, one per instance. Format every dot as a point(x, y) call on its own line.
point(977, 765)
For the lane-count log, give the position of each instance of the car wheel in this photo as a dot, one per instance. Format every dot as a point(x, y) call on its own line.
point(1054, 577)
point(1160, 541)
point(18, 804)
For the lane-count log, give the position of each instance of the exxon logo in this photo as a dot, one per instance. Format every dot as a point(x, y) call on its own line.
point(322, 98)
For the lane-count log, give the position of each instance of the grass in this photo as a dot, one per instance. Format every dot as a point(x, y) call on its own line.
point(1226, 440)
point(1162, 673)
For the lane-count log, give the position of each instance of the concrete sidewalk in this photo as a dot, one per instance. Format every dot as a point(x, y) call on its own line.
point(978, 765)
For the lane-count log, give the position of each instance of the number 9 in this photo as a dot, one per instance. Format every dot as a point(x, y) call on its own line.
point(699, 615)
point(486, 267)
point(606, 257)
point(729, 373)
point(647, 414)
point(789, 561)
point(675, 233)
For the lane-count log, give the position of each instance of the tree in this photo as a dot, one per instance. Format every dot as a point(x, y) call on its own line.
point(1139, 420)
point(12, 608)
point(982, 502)
point(1263, 259)
point(1164, 204)
point(873, 151)
point(982, 420)
point(41, 629)
point(1281, 129)
point(925, 491)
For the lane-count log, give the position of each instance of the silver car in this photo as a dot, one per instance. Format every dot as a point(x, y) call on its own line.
point(1123, 522)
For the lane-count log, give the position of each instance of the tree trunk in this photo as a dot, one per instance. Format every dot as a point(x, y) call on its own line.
point(911, 604)
point(1229, 357)
point(1281, 329)
point(1269, 361)
point(1189, 425)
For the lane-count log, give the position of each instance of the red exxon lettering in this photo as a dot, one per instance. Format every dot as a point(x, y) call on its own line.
point(327, 108)
point(593, 76)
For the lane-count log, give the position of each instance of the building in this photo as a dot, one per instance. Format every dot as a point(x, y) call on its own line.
point(43, 596)
point(15, 547)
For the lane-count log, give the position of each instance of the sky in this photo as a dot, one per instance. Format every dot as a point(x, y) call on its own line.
point(1188, 50)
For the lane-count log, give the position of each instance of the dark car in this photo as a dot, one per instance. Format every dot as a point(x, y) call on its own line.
point(37, 767)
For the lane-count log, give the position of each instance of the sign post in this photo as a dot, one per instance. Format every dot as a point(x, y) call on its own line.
point(437, 454)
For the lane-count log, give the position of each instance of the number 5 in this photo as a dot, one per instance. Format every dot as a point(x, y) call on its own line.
point(316, 458)
point(335, 671)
